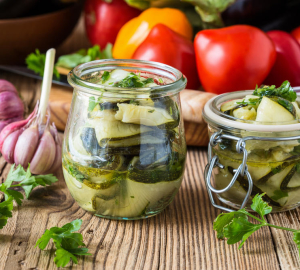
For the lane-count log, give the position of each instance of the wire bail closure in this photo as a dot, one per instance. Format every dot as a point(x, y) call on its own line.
point(213, 161)
point(242, 170)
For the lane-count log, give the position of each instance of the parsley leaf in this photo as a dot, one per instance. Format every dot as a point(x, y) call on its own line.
point(70, 61)
point(278, 194)
point(236, 227)
point(133, 81)
point(284, 91)
point(67, 242)
point(16, 195)
point(260, 207)
point(5, 211)
point(36, 62)
point(105, 76)
point(240, 229)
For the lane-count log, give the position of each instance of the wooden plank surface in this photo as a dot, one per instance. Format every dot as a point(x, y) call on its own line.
point(181, 237)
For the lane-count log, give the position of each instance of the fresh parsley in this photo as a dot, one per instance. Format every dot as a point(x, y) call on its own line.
point(133, 81)
point(24, 180)
point(284, 91)
point(70, 61)
point(105, 76)
point(236, 227)
point(36, 62)
point(66, 241)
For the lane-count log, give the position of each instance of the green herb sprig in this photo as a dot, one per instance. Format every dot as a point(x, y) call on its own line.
point(66, 241)
point(284, 91)
point(36, 62)
point(25, 180)
point(133, 81)
point(236, 227)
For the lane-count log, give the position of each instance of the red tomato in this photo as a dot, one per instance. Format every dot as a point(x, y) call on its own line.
point(287, 65)
point(233, 58)
point(168, 47)
point(296, 34)
point(104, 19)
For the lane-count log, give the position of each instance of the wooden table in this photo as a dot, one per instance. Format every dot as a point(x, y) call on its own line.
point(179, 238)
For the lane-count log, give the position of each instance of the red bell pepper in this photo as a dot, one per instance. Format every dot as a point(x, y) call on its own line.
point(104, 19)
point(287, 65)
point(296, 34)
point(168, 47)
point(233, 58)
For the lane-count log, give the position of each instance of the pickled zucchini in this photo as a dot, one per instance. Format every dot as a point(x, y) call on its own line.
point(127, 159)
point(274, 166)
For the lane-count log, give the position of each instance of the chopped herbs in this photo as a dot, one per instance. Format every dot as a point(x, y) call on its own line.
point(236, 227)
point(66, 241)
point(105, 76)
point(160, 80)
point(133, 81)
point(151, 111)
point(92, 104)
point(284, 91)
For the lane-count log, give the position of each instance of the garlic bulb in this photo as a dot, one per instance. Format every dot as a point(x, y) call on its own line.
point(11, 106)
point(32, 142)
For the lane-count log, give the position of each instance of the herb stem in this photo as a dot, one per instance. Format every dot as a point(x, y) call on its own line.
point(256, 218)
point(281, 228)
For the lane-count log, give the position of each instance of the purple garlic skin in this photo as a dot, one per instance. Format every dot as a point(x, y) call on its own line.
point(44, 154)
point(11, 105)
point(26, 146)
point(4, 123)
point(9, 145)
point(32, 142)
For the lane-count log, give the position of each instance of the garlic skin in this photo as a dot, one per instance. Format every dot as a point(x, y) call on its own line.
point(11, 106)
point(31, 142)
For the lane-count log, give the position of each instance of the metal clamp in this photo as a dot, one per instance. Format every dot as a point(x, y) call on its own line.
point(242, 170)
point(213, 161)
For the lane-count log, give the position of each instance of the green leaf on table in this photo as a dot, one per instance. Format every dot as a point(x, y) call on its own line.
point(224, 219)
point(70, 61)
point(5, 211)
point(16, 195)
point(36, 62)
point(66, 241)
point(296, 239)
point(259, 206)
point(240, 229)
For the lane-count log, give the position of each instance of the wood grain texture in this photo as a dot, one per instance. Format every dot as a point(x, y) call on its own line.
point(181, 237)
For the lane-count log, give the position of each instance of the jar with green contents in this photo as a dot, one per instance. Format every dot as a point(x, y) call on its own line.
point(124, 147)
point(254, 147)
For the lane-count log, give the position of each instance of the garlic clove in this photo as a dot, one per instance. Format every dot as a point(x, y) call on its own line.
point(9, 144)
point(10, 128)
point(58, 153)
point(10, 105)
point(44, 156)
point(4, 123)
point(26, 146)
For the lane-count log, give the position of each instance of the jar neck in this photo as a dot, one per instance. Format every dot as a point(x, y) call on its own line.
point(86, 77)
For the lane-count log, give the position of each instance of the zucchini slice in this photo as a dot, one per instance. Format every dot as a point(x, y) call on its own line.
point(114, 130)
point(271, 111)
point(89, 141)
point(244, 112)
point(144, 115)
point(255, 190)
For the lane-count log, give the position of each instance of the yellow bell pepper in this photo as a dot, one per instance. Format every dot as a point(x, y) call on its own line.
point(135, 31)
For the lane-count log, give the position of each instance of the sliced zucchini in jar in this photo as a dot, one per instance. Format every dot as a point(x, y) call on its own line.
point(144, 115)
point(89, 141)
point(115, 129)
point(245, 113)
point(294, 182)
point(271, 111)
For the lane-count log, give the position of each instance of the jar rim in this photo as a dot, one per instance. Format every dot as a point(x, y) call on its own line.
point(212, 114)
point(75, 80)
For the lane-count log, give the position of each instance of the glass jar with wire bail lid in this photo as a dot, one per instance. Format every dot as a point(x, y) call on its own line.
point(124, 146)
point(253, 156)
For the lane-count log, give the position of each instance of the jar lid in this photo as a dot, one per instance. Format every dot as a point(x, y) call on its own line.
point(212, 114)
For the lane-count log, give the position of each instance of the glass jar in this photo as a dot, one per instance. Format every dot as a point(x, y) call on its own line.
point(124, 149)
point(251, 157)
